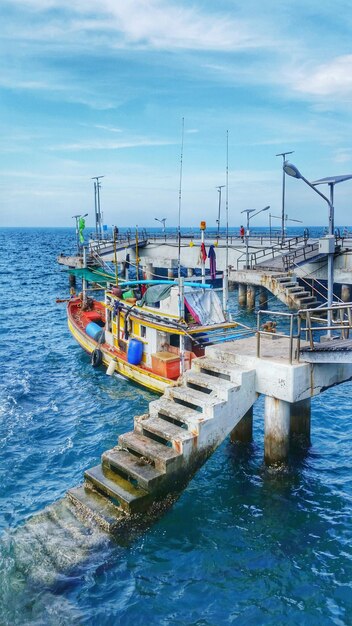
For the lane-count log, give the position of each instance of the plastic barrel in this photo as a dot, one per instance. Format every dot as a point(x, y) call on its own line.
point(134, 352)
point(93, 330)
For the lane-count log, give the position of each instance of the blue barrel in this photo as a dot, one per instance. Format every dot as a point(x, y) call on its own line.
point(93, 330)
point(134, 352)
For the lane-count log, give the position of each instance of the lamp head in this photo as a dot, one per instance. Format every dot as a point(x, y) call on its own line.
point(291, 170)
point(248, 211)
point(266, 208)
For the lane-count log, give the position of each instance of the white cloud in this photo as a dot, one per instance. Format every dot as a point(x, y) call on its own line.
point(330, 79)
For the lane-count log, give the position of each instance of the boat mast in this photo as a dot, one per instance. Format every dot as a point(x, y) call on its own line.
point(180, 279)
point(225, 292)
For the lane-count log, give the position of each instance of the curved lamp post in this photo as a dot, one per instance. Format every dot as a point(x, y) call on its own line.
point(249, 217)
point(292, 170)
point(162, 221)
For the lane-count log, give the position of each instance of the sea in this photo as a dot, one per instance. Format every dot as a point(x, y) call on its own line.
point(242, 545)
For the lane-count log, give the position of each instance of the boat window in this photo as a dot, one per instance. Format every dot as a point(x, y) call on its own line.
point(175, 341)
point(143, 332)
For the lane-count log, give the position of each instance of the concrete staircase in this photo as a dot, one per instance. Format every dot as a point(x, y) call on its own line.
point(286, 288)
point(168, 444)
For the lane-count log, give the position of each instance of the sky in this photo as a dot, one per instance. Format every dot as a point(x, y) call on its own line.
point(100, 88)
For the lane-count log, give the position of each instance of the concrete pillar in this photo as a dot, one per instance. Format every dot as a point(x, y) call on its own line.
point(242, 294)
point(243, 431)
point(250, 297)
point(276, 430)
point(300, 420)
point(232, 285)
point(72, 280)
point(263, 298)
point(346, 293)
point(170, 273)
point(149, 271)
point(190, 272)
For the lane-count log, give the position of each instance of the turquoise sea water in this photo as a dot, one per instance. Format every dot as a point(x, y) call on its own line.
point(242, 545)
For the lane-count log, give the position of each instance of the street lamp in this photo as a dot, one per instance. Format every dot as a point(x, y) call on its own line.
point(292, 170)
point(283, 154)
point(77, 218)
point(249, 217)
point(162, 221)
point(219, 188)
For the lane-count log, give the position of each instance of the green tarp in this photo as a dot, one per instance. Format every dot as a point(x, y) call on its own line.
point(94, 276)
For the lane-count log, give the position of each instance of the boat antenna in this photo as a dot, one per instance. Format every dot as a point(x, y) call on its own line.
point(226, 272)
point(137, 253)
point(180, 202)
point(180, 279)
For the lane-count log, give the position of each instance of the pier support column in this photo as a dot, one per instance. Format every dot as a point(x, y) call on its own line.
point(72, 280)
point(149, 271)
point(276, 430)
point(300, 420)
point(190, 272)
point(243, 431)
point(170, 273)
point(250, 297)
point(242, 294)
point(263, 298)
point(346, 293)
point(232, 285)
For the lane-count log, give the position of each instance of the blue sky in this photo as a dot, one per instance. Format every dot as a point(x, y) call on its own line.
point(100, 87)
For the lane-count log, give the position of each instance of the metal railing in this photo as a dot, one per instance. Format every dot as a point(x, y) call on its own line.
point(305, 324)
point(269, 252)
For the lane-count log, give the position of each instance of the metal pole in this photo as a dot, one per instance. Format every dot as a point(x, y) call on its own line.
point(247, 242)
point(219, 188)
point(202, 262)
point(84, 282)
point(225, 291)
point(330, 262)
point(283, 154)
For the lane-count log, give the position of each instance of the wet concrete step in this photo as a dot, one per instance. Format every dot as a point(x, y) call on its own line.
point(133, 467)
point(295, 289)
point(162, 456)
point(307, 299)
point(206, 364)
point(130, 498)
point(187, 417)
point(289, 285)
point(213, 383)
point(193, 397)
point(162, 428)
point(92, 505)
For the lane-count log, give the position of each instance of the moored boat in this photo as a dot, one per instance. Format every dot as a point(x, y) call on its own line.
point(148, 337)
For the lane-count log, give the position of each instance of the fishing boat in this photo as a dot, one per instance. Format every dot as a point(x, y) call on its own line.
point(149, 331)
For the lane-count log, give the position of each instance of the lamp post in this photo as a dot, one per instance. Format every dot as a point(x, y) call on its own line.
point(292, 170)
point(219, 188)
point(98, 213)
point(249, 217)
point(77, 218)
point(162, 221)
point(283, 154)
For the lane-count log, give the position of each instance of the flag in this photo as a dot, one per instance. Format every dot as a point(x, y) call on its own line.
point(81, 227)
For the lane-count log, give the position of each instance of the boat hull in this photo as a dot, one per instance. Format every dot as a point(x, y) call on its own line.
point(134, 373)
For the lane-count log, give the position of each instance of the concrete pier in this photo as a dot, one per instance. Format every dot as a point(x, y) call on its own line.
point(300, 421)
point(243, 432)
point(250, 297)
point(346, 293)
point(263, 298)
point(276, 430)
point(149, 271)
point(242, 294)
point(190, 272)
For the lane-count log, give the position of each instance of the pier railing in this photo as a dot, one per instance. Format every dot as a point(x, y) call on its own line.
point(306, 324)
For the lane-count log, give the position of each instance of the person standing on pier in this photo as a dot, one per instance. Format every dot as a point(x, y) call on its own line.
point(242, 232)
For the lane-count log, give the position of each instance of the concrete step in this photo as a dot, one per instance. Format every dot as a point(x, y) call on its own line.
point(289, 285)
point(218, 369)
point(162, 456)
point(177, 413)
point(162, 429)
point(307, 299)
point(130, 498)
point(192, 397)
point(295, 289)
point(133, 468)
point(206, 381)
point(93, 506)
